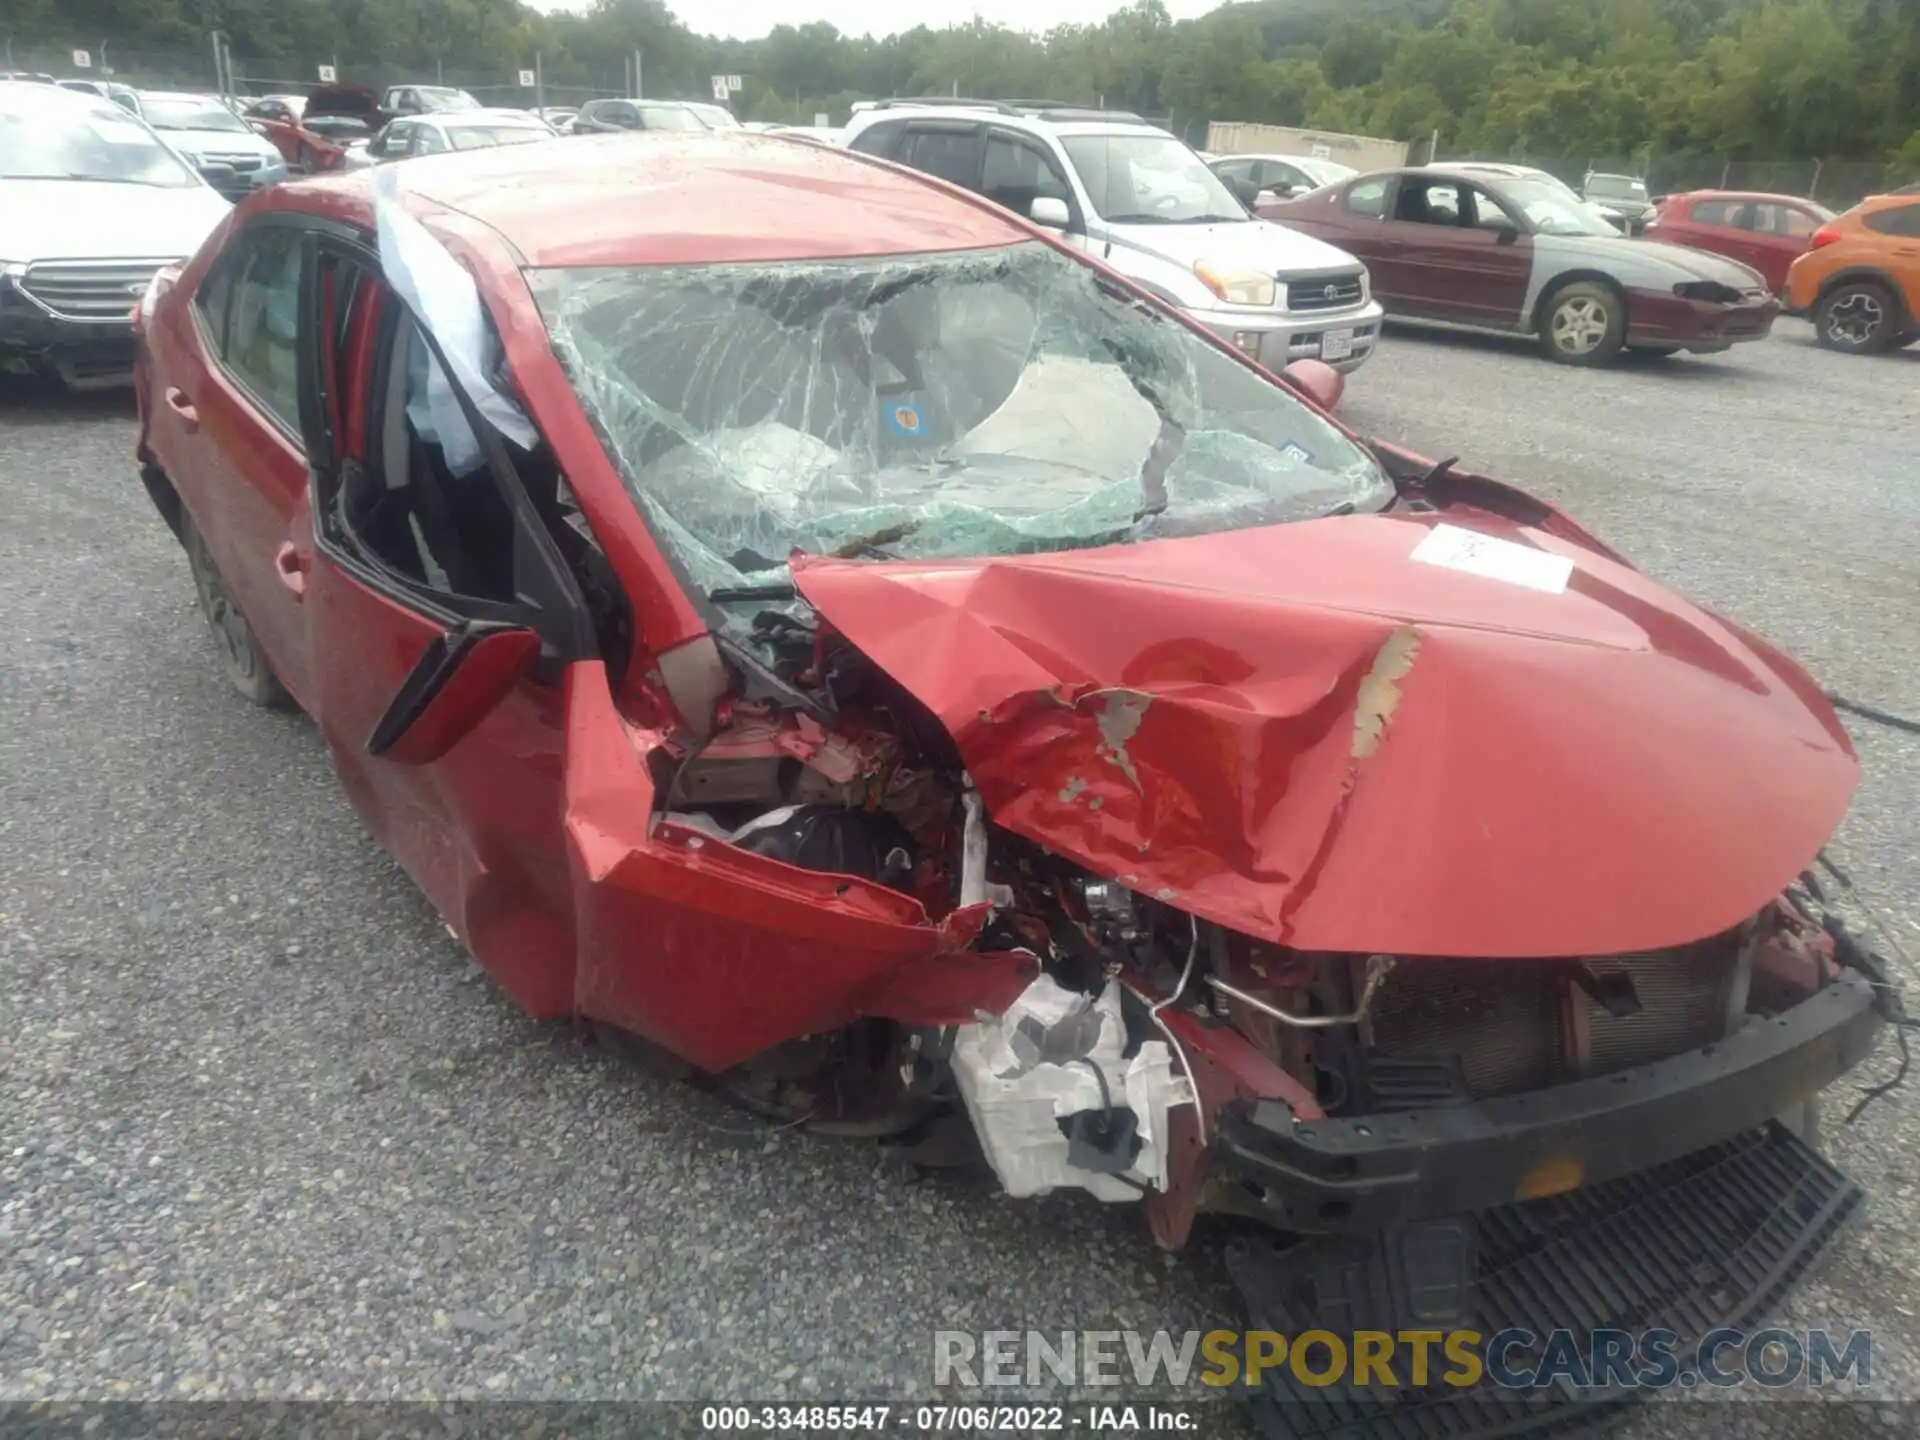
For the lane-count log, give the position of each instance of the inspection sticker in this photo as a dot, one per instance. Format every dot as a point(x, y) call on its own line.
point(1453, 548)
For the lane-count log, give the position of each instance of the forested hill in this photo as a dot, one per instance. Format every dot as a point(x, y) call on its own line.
point(1742, 78)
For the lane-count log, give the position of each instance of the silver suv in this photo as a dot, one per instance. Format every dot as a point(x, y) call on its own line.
point(1134, 197)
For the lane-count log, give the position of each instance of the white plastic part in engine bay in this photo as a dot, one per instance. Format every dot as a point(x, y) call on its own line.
point(1017, 1089)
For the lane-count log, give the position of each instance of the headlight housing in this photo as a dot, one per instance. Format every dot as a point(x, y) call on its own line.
point(1236, 285)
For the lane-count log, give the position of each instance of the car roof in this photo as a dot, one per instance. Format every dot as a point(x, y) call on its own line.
point(692, 197)
point(1765, 196)
point(1021, 115)
point(78, 102)
point(482, 116)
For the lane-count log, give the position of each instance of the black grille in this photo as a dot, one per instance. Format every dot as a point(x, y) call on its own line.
point(1332, 292)
point(1715, 1238)
point(96, 290)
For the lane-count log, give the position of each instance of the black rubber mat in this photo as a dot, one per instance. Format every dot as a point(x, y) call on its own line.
point(1715, 1238)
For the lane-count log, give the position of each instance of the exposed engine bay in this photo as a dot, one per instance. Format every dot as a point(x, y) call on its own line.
point(829, 765)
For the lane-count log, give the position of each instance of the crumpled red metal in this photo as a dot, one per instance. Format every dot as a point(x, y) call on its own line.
point(1303, 733)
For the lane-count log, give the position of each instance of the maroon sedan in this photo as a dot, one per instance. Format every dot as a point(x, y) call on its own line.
point(1767, 232)
point(1523, 257)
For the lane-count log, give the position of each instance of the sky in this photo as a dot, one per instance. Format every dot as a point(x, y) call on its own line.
point(746, 19)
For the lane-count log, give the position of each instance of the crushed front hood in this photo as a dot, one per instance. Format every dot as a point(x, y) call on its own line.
point(1304, 733)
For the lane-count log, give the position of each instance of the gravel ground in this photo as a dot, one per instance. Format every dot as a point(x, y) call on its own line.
point(265, 1132)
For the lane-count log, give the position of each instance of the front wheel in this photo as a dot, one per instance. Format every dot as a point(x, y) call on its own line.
point(240, 658)
point(1583, 323)
point(1858, 319)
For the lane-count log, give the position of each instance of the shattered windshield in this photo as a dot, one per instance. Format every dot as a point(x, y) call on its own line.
point(991, 402)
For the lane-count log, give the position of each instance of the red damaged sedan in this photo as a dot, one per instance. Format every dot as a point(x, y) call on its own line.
point(792, 611)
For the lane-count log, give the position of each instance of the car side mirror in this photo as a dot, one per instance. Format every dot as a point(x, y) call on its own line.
point(1317, 380)
point(1050, 211)
point(258, 127)
point(459, 679)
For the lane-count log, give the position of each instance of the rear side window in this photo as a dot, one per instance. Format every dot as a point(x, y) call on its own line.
point(263, 322)
point(1903, 221)
point(950, 154)
point(1715, 212)
point(878, 139)
point(1368, 198)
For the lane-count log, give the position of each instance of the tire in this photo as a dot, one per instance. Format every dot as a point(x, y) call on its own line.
point(1583, 323)
point(1859, 318)
point(240, 658)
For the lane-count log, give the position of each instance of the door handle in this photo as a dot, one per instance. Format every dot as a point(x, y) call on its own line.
point(178, 402)
point(291, 566)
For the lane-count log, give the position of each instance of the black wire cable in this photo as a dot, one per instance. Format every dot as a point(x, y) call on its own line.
point(1869, 712)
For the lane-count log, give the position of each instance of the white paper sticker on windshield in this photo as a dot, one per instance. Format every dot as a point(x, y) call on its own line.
point(1453, 548)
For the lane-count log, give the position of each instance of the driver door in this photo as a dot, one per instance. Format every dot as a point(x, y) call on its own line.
point(1454, 254)
point(440, 621)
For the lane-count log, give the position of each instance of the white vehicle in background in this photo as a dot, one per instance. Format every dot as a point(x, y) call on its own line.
point(1138, 199)
point(204, 130)
point(92, 205)
point(1285, 176)
point(447, 130)
point(426, 100)
point(714, 117)
point(825, 134)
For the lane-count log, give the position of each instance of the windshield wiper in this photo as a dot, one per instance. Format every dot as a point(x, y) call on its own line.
point(1141, 219)
point(1208, 219)
point(871, 544)
point(740, 594)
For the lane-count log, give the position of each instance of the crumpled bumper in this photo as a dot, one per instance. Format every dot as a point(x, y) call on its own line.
point(1369, 1172)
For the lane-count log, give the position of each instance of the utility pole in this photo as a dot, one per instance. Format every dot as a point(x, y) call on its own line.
point(439, 71)
point(539, 87)
point(1433, 147)
point(639, 89)
point(219, 71)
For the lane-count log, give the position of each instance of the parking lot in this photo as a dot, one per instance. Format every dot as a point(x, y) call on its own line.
point(265, 1132)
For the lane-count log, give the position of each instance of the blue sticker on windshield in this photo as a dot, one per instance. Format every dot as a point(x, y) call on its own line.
point(904, 418)
point(1297, 452)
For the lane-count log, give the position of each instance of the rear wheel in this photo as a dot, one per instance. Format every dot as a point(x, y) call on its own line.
point(1583, 323)
point(240, 657)
point(1861, 318)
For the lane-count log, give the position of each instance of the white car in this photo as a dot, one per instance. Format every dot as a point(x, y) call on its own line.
point(1133, 195)
point(92, 205)
point(1285, 175)
point(448, 130)
point(204, 130)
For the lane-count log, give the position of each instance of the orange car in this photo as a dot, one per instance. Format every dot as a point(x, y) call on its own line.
point(1861, 280)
